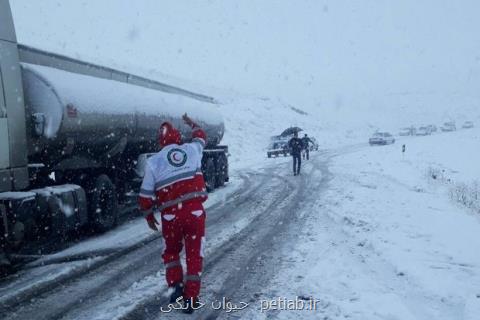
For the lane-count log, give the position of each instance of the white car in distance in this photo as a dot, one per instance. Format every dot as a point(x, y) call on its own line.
point(424, 131)
point(381, 138)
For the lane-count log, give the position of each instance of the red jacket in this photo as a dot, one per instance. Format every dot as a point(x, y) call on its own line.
point(174, 175)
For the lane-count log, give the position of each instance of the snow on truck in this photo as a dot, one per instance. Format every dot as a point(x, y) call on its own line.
point(74, 136)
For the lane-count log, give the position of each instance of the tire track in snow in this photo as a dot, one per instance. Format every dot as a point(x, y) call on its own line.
point(9, 302)
point(79, 292)
point(150, 307)
point(260, 267)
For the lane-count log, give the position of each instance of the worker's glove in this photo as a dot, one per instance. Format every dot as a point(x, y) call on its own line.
point(152, 222)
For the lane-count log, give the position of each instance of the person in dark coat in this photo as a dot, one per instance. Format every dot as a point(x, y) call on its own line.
point(306, 140)
point(296, 146)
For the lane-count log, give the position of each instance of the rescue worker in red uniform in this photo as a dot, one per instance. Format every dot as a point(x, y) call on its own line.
point(173, 184)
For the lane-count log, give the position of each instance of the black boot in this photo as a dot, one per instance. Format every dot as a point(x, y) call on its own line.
point(191, 304)
point(177, 292)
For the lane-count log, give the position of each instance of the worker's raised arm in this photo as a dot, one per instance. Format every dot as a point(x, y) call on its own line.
point(198, 134)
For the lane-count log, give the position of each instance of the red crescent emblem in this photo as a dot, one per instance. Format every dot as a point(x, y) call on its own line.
point(174, 157)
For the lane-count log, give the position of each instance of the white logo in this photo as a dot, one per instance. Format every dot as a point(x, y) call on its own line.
point(177, 157)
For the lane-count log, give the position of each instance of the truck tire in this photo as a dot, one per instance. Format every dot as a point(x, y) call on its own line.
point(5, 264)
point(103, 204)
point(209, 174)
point(57, 219)
point(221, 171)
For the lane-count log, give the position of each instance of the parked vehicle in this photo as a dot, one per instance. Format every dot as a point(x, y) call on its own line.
point(432, 128)
point(279, 144)
point(423, 131)
point(314, 146)
point(468, 125)
point(449, 126)
point(278, 148)
point(381, 138)
point(72, 135)
point(408, 131)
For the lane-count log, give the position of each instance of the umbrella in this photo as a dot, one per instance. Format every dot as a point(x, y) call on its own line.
point(290, 131)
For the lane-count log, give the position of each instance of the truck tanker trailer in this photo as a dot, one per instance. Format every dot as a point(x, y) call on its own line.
point(74, 138)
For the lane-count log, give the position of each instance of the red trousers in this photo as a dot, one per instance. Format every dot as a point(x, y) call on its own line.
point(184, 223)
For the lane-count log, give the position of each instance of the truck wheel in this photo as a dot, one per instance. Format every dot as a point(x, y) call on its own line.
point(103, 204)
point(221, 171)
point(210, 175)
point(5, 264)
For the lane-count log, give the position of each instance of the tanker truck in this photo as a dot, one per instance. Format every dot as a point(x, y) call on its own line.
point(74, 137)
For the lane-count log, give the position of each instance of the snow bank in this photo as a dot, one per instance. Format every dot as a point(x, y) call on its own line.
point(417, 244)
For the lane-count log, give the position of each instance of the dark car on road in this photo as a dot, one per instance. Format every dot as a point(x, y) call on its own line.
point(313, 146)
point(278, 148)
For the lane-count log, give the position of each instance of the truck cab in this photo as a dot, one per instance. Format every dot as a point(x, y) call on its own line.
point(13, 144)
point(13, 149)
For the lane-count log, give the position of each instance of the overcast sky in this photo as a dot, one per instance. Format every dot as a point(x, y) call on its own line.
point(313, 51)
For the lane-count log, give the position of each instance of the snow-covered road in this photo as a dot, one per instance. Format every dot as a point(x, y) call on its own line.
point(349, 238)
point(243, 229)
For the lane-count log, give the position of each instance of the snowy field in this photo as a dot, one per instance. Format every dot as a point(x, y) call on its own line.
point(251, 120)
point(386, 240)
